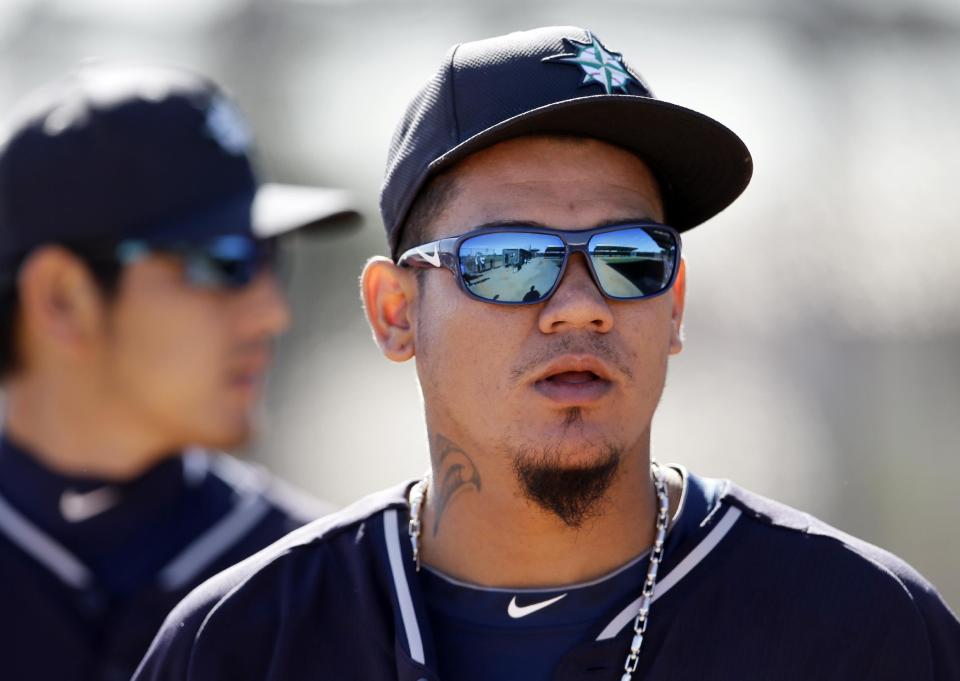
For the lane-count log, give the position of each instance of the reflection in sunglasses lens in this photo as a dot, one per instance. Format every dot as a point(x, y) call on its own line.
point(230, 261)
point(511, 267)
point(633, 262)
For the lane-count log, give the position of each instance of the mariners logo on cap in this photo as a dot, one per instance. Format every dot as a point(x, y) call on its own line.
point(599, 65)
point(228, 127)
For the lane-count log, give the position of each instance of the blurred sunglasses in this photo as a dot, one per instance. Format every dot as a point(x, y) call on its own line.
point(227, 262)
point(524, 265)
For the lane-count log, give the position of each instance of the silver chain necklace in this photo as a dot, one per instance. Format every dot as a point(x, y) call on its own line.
point(419, 492)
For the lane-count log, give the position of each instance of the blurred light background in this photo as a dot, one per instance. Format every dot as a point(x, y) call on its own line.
point(822, 364)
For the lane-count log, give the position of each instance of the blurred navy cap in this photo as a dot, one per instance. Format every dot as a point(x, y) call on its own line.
point(130, 150)
point(559, 80)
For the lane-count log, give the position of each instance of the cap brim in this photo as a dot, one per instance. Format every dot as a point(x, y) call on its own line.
point(701, 164)
point(281, 208)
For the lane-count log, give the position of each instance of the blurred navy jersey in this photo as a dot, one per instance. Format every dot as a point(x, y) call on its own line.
point(751, 589)
point(89, 569)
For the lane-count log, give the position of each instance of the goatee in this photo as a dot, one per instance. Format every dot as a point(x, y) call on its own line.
point(572, 493)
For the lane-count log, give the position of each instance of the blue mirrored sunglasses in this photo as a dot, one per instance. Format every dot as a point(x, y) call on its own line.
point(521, 265)
point(230, 261)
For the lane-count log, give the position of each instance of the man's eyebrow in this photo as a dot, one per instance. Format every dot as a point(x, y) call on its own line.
point(627, 221)
point(511, 223)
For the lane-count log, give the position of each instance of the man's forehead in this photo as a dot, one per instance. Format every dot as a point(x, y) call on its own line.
point(540, 148)
point(557, 181)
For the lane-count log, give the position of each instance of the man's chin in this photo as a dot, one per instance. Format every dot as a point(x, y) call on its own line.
point(234, 435)
point(572, 454)
point(569, 443)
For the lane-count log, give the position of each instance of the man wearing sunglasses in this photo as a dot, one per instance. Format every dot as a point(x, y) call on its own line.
point(534, 199)
point(138, 306)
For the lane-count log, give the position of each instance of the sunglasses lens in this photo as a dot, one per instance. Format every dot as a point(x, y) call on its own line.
point(511, 267)
point(634, 262)
point(230, 261)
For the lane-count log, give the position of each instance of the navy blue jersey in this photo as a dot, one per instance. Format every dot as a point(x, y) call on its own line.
point(756, 590)
point(89, 569)
point(483, 633)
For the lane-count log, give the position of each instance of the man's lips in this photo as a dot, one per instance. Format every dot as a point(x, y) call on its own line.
point(574, 380)
point(247, 378)
point(575, 364)
point(250, 374)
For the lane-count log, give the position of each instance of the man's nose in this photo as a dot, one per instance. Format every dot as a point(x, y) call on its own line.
point(577, 303)
point(263, 307)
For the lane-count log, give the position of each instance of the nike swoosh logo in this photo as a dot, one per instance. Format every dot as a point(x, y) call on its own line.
point(517, 611)
point(432, 259)
point(77, 507)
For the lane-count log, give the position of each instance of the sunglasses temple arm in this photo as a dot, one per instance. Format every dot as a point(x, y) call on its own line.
point(430, 255)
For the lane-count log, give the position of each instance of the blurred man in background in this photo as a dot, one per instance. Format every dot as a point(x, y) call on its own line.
point(546, 542)
point(138, 309)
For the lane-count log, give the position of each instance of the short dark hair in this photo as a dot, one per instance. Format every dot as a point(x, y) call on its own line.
point(106, 273)
point(426, 207)
point(9, 309)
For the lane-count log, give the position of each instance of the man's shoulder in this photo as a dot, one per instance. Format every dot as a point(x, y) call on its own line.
point(324, 561)
point(805, 537)
point(806, 565)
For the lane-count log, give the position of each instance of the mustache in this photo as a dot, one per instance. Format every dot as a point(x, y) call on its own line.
point(253, 350)
point(251, 346)
point(593, 344)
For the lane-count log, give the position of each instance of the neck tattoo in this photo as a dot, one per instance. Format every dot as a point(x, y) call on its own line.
point(418, 494)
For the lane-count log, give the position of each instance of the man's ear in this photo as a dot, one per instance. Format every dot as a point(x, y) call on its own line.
point(60, 303)
point(389, 293)
point(678, 294)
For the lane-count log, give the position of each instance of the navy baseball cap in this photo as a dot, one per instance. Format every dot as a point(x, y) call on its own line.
point(559, 80)
point(128, 150)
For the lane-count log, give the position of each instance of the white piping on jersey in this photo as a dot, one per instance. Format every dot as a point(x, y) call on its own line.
point(391, 530)
point(680, 571)
point(243, 478)
point(249, 509)
point(44, 549)
point(196, 464)
point(202, 551)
